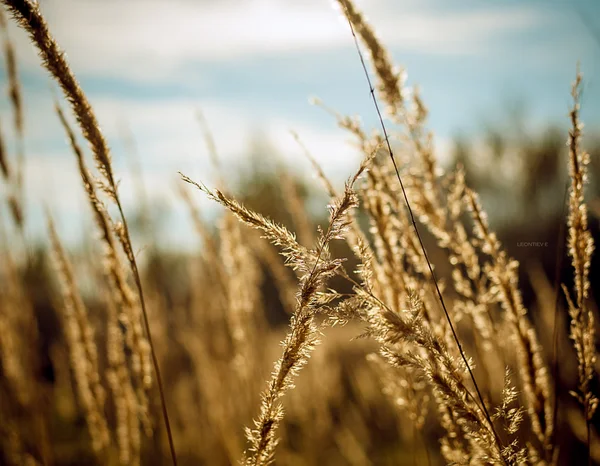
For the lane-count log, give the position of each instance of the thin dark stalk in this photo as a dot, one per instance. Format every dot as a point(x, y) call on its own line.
point(414, 224)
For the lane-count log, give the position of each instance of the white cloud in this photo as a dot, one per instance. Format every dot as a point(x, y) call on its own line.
point(153, 40)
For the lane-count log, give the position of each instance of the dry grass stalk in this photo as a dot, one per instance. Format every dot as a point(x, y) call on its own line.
point(29, 17)
point(580, 248)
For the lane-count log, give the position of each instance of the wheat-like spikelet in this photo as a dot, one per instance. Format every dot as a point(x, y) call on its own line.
point(580, 248)
point(82, 346)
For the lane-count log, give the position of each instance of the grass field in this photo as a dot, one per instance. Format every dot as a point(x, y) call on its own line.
point(408, 339)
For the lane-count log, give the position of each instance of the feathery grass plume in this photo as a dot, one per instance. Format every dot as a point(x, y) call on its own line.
point(533, 370)
point(391, 80)
point(425, 195)
point(302, 337)
point(389, 228)
point(395, 100)
point(82, 347)
point(580, 247)
point(295, 254)
point(444, 221)
point(407, 341)
point(530, 356)
point(316, 268)
point(29, 17)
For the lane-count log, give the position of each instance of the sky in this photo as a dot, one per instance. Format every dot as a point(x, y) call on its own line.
point(251, 67)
